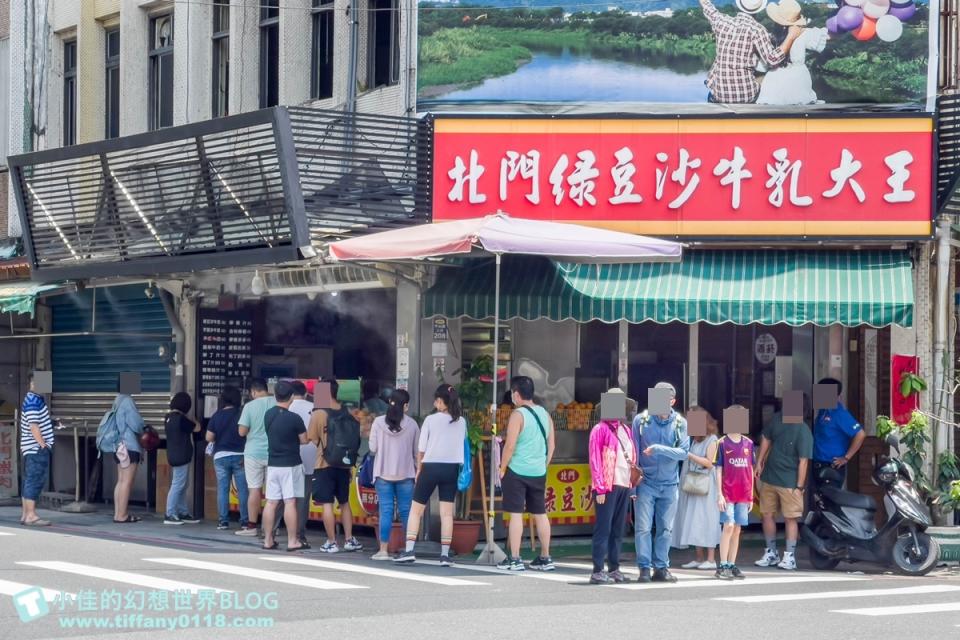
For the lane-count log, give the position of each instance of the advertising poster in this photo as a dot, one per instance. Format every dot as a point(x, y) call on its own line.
point(569, 498)
point(784, 53)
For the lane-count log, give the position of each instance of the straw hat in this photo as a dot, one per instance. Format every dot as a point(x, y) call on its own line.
point(751, 6)
point(787, 13)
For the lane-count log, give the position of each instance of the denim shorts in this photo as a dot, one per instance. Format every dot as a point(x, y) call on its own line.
point(36, 467)
point(737, 513)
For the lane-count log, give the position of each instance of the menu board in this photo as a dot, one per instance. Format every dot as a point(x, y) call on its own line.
point(225, 348)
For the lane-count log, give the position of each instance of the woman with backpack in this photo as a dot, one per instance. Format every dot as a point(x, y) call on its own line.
point(440, 454)
point(394, 442)
point(179, 429)
point(118, 435)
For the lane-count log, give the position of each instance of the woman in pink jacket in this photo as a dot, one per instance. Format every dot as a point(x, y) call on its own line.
point(612, 456)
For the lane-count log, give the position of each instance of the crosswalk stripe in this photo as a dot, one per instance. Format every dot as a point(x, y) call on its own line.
point(904, 610)
point(862, 593)
point(7, 533)
point(632, 572)
point(375, 571)
point(10, 588)
point(537, 575)
point(258, 574)
point(732, 583)
point(120, 576)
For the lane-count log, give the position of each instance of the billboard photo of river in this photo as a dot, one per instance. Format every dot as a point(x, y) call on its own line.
point(784, 53)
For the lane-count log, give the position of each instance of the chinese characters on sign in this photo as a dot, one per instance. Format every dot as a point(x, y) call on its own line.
point(8, 460)
point(568, 497)
point(226, 350)
point(792, 177)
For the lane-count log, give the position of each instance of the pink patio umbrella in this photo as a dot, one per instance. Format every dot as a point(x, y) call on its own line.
point(498, 234)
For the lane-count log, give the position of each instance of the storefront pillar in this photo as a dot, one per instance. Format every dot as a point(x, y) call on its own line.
point(693, 365)
point(409, 312)
point(623, 355)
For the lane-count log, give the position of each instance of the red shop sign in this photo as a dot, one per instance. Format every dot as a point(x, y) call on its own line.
point(824, 177)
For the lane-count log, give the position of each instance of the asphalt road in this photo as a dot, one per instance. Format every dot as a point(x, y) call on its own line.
point(116, 573)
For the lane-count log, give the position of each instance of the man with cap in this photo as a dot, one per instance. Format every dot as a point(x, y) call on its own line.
point(662, 443)
point(742, 42)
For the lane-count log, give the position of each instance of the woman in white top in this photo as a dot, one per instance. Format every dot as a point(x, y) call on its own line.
point(791, 83)
point(440, 454)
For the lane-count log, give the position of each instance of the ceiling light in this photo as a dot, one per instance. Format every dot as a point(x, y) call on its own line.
point(257, 286)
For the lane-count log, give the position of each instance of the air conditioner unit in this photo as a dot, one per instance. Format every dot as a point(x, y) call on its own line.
point(325, 279)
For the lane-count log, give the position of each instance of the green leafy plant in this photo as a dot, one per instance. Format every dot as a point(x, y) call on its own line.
point(911, 383)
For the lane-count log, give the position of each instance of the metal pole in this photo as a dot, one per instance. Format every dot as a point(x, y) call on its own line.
point(492, 554)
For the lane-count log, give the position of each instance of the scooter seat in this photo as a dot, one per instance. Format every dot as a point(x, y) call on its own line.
point(848, 498)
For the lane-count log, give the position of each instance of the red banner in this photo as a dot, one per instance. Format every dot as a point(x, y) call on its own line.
point(865, 177)
point(902, 408)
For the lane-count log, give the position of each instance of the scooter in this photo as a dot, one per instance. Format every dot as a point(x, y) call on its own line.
point(841, 525)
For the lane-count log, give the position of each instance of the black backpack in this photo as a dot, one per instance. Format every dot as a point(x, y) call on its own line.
point(343, 439)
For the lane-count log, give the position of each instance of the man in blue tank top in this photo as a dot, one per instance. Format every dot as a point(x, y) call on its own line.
point(523, 473)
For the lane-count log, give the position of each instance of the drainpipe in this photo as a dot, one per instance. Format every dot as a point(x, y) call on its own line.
point(179, 341)
point(354, 56)
point(941, 369)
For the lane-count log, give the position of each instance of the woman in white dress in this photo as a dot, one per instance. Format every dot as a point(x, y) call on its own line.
point(697, 524)
point(791, 84)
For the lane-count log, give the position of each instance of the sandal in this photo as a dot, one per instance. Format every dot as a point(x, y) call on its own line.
point(39, 522)
point(129, 519)
point(275, 545)
point(300, 548)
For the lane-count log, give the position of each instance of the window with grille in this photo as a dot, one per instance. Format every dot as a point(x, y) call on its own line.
point(269, 53)
point(111, 85)
point(321, 85)
point(221, 58)
point(161, 72)
point(69, 93)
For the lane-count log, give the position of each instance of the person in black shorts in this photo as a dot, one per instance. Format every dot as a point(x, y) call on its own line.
point(440, 455)
point(523, 472)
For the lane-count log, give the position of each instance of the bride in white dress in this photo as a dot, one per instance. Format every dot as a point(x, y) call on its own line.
point(791, 84)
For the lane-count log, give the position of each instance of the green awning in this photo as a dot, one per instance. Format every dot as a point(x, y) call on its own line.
point(20, 297)
point(742, 287)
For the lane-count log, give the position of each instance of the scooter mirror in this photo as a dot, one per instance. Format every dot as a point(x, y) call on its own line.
point(893, 441)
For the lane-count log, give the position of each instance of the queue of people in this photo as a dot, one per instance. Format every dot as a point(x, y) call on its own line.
point(684, 492)
point(698, 492)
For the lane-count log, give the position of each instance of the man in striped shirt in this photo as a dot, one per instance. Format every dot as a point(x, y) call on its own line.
point(36, 443)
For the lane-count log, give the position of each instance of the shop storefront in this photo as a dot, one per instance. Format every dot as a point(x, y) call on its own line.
point(801, 263)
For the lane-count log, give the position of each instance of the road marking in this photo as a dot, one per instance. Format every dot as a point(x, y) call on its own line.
point(732, 583)
point(905, 610)
point(7, 533)
point(633, 571)
point(258, 574)
point(375, 571)
point(8, 588)
point(120, 576)
point(530, 573)
point(862, 593)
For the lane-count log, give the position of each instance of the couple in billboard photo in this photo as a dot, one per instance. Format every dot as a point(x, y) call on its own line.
point(766, 52)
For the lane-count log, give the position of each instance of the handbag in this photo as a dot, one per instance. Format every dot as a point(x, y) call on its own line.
point(636, 473)
point(696, 481)
point(465, 477)
point(365, 475)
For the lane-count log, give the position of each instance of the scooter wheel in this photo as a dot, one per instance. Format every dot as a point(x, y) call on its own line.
point(910, 563)
point(822, 562)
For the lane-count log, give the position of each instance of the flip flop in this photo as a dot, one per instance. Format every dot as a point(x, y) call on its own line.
point(39, 522)
point(130, 519)
point(275, 545)
point(300, 548)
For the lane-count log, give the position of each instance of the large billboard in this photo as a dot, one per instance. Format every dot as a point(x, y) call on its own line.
point(773, 177)
point(782, 54)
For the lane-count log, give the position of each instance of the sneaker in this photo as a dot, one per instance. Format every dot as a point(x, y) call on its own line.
point(770, 559)
point(445, 561)
point(380, 555)
point(789, 562)
point(617, 577)
point(172, 520)
point(405, 557)
point(737, 573)
point(223, 526)
point(664, 575)
point(706, 566)
point(512, 564)
point(329, 547)
point(601, 577)
point(352, 545)
point(693, 564)
point(542, 563)
point(246, 529)
point(644, 575)
point(724, 573)
point(189, 519)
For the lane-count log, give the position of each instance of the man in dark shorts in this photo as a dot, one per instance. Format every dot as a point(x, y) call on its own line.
point(331, 483)
point(523, 472)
